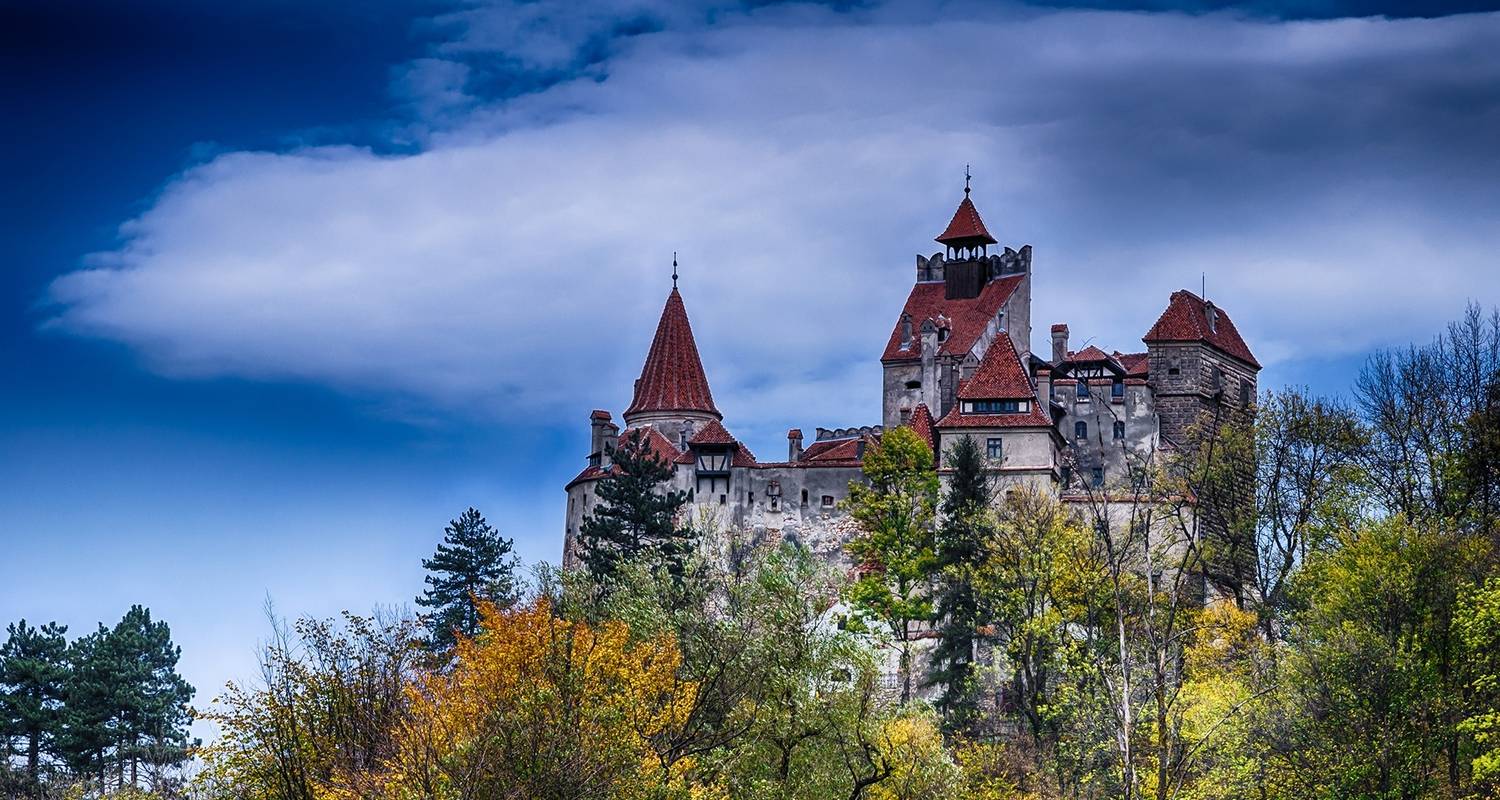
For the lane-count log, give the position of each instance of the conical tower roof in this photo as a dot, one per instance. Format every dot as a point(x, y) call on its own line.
point(966, 226)
point(672, 379)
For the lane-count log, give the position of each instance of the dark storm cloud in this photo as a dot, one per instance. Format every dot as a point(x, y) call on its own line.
point(1335, 180)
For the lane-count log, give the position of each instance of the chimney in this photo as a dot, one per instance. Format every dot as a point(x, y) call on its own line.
point(794, 444)
point(611, 441)
point(598, 420)
point(1059, 343)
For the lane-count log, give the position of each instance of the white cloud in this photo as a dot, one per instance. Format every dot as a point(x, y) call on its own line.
point(1336, 180)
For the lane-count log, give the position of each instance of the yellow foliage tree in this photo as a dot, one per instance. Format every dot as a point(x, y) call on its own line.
point(540, 707)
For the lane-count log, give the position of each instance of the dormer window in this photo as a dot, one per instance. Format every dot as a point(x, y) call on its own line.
point(942, 334)
point(996, 406)
point(905, 332)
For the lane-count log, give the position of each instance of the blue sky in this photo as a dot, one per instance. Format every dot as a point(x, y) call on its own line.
point(287, 287)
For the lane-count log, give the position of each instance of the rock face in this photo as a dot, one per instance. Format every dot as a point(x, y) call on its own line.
point(958, 363)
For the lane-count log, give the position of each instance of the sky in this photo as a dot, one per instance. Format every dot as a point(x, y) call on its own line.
point(287, 286)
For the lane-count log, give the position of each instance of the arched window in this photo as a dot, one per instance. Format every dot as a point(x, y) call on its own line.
point(1080, 430)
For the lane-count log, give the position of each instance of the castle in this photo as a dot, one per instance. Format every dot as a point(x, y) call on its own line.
point(958, 363)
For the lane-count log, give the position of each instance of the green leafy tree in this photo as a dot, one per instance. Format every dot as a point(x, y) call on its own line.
point(637, 514)
point(33, 677)
point(474, 563)
point(1478, 625)
point(895, 548)
point(960, 553)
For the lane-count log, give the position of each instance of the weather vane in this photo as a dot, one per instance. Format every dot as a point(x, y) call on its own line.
point(674, 269)
point(967, 176)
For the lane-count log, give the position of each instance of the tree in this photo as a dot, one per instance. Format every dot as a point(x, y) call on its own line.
point(894, 549)
point(537, 706)
point(959, 554)
point(1307, 488)
point(153, 715)
point(473, 564)
point(324, 710)
point(33, 678)
point(637, 515)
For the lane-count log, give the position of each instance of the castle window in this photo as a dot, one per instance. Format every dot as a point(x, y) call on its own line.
point(996, 407)
point(992, 448)
point(942, 334)
point(1173, 371)
point(828, 501)
point(1083, 389)
point(723, 498)
point(1067, 476)
point(1081, 430)
point(1117, 389)
point(804, 497)
point(913, 384)
point(1119, 430)
point(905, 415)
point(1245, 394)
point(775, 503)
point(1098, 477)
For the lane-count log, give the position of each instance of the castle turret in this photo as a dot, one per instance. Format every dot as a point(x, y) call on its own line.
point(672, 393)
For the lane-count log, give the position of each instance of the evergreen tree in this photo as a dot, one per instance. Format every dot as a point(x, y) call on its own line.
point(473, 563)
point(636, 516)
point(960, 553)
point(152, 714)
point(33, 676)
point(89, 706)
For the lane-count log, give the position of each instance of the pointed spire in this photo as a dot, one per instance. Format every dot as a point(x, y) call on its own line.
point(966, 228)
point(672, 379)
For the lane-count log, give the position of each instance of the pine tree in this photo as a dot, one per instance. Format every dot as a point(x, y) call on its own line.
point(33, 676)
point(636, 516)
point(473, 563)
point(960, 551)
point(152, 715)
point(89, 706)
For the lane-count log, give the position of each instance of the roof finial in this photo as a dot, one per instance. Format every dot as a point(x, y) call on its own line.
point(674, 269)
point(967, 176)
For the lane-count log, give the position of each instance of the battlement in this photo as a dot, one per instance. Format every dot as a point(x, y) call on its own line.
point(934, 268)
point(834, 434)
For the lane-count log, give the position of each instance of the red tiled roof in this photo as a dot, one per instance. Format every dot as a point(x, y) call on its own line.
point(654, 442)
point(1035, 418)
point(672, 378)
point(836, 452)
point(966, 225)
point(969, 316)
point(589, 473)
point(1087, 355)
point(1000, 375)
point(600, 413)
point(1186, 320)
point(715, 433)
point(794, 433)
point(921, 424)
point(1060, 327)
point(712, 433)
point(1137, 365)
